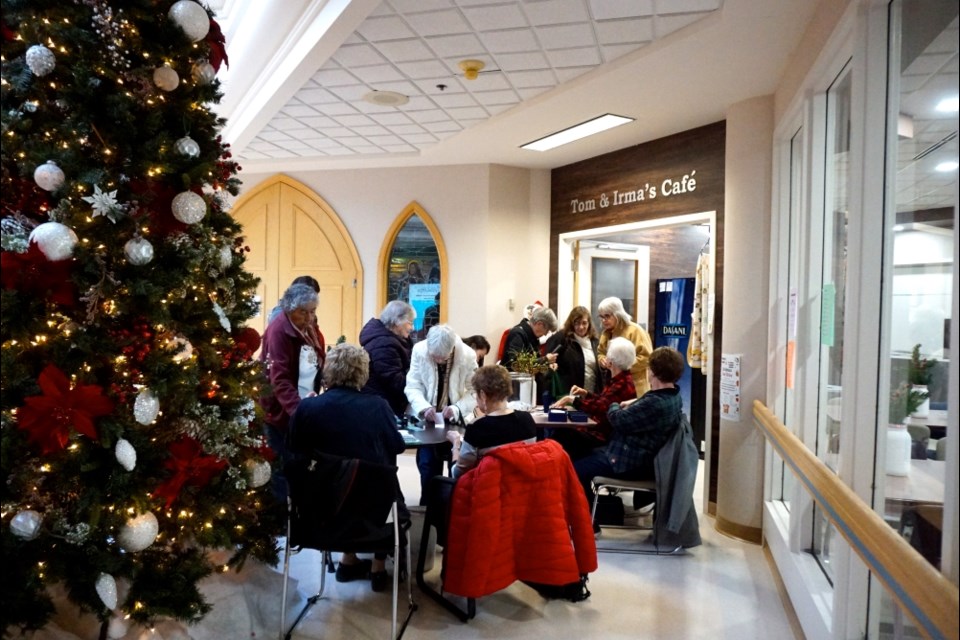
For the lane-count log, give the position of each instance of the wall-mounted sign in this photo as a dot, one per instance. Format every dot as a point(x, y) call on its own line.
point(730, 386)
point(667, 188)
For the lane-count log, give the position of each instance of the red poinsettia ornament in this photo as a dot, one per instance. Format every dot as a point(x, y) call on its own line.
point(48, 418)
point(189, 466)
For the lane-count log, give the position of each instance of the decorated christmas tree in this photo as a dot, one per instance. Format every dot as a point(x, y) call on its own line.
point(131, 438)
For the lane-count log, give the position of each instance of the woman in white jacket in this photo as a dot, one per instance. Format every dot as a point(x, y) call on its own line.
point(439, 390)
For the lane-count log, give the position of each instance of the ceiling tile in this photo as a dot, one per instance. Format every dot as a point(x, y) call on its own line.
point(521, 61)
point(687, 6)
point(371, 130)
point(409, 6)
point(568, 74)
point(315, 96)
point(615, 9)
point(497, 97)
point(430, 115)
point(384, 28)
point(377, 74)
point(333, 77)
point(357, 55)
point(336, 109)
point(299, 110)
point(532, 92)
point(420, 138)
point(637, 31)
point(556, 11)
point(435, 23)
point(450, 100)
point(405, 50)
point(424, 69)
point(574, 57)
point(354, 121)
point(494, 17)
point(566, 36)
point(510, 41)
point(614, 51)
point(318, 122)
point(391, 119)
point(447, 126)
point(456, 47)
point(468, 113)
point(665, 25)
point(539, 78)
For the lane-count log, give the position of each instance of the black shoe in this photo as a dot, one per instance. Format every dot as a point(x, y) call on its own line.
point(379, 580)
point(351, 572)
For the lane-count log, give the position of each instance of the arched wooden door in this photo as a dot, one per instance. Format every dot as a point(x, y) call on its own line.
point(291, 232)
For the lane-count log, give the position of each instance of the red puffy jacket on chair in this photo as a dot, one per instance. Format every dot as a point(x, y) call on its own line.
point(520, 514)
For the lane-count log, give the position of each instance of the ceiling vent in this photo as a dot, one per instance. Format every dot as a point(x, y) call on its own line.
point(386, 98)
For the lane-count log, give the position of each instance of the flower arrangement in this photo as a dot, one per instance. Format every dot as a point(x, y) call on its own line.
point(920, 370)
point(528, 361)
point(904, 400)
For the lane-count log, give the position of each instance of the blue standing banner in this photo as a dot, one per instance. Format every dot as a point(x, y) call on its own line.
point(674, 308)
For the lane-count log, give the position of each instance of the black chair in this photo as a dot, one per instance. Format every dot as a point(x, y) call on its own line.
point(437, 515)
point(344, 505)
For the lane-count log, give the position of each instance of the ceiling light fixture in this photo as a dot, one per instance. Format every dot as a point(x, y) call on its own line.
point(946, 167)
point(386, 98)
point(471, 68)
point(576, 132)
point(949, 105)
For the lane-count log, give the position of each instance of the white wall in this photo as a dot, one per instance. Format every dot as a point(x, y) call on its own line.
point(494, 220)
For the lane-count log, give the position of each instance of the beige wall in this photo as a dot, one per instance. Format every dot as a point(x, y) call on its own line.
point(481, 211)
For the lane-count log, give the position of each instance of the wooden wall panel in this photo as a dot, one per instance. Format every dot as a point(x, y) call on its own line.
point(590, 194)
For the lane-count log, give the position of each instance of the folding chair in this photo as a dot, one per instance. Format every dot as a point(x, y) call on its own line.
point(613, 486)
point(344, 505)
point(675, 524)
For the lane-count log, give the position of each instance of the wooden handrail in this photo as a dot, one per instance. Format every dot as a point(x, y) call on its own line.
point(928, 598)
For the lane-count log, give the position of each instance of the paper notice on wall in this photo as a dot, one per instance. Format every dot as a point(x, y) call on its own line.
point(730, 386)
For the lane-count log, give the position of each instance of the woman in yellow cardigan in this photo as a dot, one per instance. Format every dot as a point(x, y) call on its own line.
point(617, 323)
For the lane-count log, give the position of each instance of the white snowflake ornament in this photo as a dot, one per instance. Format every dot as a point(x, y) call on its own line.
point(104, 203)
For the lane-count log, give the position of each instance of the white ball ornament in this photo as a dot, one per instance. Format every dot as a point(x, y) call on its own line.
point(187, 146)
point(139, 251)
point(48, 176)
point(55, 240)
point(26, 524)
point(189, 207)
point(203, 73)
point(146, 407)
point(40, 60)
point(139, 532)
point(166, 78)
point(107, 590)
point(258, 472)
point(126, 455)
point(191, 18)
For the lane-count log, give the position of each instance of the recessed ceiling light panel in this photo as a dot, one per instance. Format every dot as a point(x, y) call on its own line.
point(576, 132)
point(386, 98)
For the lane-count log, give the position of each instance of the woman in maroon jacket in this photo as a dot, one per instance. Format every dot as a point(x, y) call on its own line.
point(293, 359)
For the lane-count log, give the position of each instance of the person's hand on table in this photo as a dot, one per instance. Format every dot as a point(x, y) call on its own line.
point(577, 391)
point(449, 413)
point(429, 414)
point(562, 402)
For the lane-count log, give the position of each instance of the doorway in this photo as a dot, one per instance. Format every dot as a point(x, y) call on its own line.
point(658, 253)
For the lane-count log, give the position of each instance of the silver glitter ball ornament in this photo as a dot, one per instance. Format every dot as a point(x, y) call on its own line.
point(139, 532)
point(40, 60)
point(55, 240)
point(48, 176)
point(203, 73)
point(258, 472)
point(107, 590)
point(226, 256)
point(187, 146)
point(191, 18)
point(166, 78)
point(26, 524)
point(189, 207)
point(139, 251)
point(146, 407)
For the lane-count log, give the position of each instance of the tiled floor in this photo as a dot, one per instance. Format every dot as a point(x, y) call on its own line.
point(722, 589)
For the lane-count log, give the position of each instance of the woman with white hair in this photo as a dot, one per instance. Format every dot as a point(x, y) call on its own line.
point(387, 340)
point(581, 441)
point(617, 323)
point(439, 391)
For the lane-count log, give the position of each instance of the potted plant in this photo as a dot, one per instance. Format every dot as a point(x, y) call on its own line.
point(524, 369)
point(919, 375)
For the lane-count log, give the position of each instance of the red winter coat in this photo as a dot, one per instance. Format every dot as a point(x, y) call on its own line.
point(519, 515)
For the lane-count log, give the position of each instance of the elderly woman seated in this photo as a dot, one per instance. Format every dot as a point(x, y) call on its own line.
point(499, 425)
point(345, 422)
point(580, 442)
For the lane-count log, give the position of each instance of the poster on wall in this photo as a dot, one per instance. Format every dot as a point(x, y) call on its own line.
point(425, 299)
point(730, 386)
point(674, 312)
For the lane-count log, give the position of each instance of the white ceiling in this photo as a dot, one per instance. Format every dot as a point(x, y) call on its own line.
point(293, 90)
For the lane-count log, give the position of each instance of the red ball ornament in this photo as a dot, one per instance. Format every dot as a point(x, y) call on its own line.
point(248, 337)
